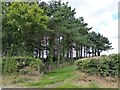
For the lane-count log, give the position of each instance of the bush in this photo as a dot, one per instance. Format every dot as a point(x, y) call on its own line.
point(103, 65)
point(37, 63)
point(18, 65)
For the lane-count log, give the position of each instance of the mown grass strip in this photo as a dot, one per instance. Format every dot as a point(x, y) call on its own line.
point(58, 75)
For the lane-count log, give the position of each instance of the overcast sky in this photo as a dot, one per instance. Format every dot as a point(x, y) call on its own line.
point(102, 15)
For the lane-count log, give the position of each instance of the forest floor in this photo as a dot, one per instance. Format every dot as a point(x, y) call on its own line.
point(65, 77)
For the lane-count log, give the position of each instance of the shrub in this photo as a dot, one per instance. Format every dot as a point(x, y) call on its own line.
point(37, 63)
point(18, 65)
point(10, 65)
point(103, 65)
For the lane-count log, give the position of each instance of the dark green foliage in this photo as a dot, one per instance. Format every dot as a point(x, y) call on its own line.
point(103, 65)
point(20, 65)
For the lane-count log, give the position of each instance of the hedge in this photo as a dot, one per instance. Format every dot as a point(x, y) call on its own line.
point(102, 66)
point(19, 64)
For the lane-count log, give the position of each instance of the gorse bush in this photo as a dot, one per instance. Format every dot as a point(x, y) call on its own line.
point(23, 65)
point(103, 65)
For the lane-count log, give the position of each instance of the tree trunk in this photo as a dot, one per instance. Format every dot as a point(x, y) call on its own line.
point(95, 53)
point(89, 52)
point(40, 49)
point(63, 56)
point(46, 48)
point(84, 52)
point(43, 53)
point(68, 53)
point(98, 53)
point(50, 53)
point(77, 51)
point(81, 51)
point(68, 47)
point(92, 52)
point(58, 57)
point(71, 51)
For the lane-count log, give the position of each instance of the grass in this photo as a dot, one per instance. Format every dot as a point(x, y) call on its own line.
point(60, 78)
point(66, 85)
point(10, 80)
point(65, 77)
point(71, 85)
point(56, 76)
point(21, 80)
point(93, 85)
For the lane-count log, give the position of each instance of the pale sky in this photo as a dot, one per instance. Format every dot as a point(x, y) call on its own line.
point(102, 15)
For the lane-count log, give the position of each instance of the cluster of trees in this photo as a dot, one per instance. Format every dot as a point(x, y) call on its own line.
point(52, 28)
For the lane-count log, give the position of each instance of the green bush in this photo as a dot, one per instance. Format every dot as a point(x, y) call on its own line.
point(10, 65)
point(103, 65)
point(37, 63)
point(21, 65)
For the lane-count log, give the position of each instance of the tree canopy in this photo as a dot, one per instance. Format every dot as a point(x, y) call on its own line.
point(52, 28)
